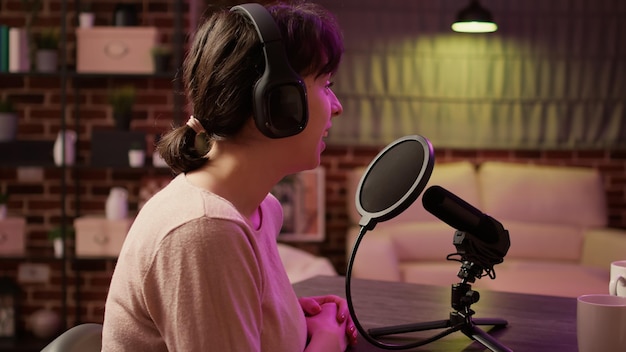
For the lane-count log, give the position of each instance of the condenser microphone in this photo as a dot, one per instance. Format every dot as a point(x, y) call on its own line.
point(459, 214)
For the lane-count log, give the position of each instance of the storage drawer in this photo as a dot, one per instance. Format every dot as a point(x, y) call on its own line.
point(12, 233)
point(100, 237)
point(115, 49)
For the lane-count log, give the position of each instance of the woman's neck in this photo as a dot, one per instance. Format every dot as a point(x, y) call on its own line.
point(238, 173)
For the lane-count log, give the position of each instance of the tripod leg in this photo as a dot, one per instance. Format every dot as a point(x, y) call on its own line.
point(400, 329)
point(485, 339)
point(490, 321)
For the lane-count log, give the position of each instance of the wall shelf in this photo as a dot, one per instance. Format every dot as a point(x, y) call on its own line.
point(26, 153)
point(68, 183)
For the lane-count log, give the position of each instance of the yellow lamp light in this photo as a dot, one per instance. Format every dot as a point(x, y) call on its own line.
point(474, 19)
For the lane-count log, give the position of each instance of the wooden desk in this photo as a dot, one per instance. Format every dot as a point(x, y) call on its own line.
point(535, 323)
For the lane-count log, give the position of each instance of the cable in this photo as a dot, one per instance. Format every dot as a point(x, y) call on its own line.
point(358, 325)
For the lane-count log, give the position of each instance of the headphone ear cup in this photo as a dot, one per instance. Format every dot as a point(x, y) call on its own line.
point(280, 109)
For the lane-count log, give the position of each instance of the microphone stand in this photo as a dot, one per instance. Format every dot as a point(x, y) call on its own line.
point(460, 319)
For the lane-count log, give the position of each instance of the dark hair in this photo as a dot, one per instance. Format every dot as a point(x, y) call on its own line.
point(225, 61)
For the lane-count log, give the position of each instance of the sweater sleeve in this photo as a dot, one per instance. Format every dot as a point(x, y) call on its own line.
point(217, 308)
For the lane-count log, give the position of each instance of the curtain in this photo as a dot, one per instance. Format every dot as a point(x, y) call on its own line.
point(552, 76)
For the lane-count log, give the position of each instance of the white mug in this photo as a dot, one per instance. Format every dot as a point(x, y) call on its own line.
point(617, 285)
point(116, 207)
point(600, 322)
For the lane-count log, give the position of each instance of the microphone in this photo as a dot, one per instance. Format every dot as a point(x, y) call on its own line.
point(459, 214)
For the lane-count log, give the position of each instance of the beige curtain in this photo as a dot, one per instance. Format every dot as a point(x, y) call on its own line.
point(553, 76)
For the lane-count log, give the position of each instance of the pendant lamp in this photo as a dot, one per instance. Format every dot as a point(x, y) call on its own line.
point(474, 19)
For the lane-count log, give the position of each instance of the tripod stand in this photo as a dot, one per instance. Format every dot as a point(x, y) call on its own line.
point(460, 320)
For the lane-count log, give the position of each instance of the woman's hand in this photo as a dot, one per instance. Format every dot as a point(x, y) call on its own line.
point(324, 332)
point(313, 306)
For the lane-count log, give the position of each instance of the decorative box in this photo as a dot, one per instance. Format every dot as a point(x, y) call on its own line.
point(99, 237)
point(12, 233)
point(115, 49)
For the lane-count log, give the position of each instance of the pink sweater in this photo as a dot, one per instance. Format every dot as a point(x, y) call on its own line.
point(193, 275)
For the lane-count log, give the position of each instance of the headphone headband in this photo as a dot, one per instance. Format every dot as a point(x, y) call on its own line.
point(279, 96)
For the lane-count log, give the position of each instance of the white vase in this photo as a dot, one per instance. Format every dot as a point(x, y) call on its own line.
point(70, 147)
point(44, 323)
point(46, 60)
point(117, 204)
point(86, 19)
point(8, 126)
point(57, 243)
point(136, 157)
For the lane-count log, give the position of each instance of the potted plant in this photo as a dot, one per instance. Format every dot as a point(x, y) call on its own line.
point(8, 121)
point(56, 236)
point(161, 57)
point(32, 9)
point(122, 100)
point(4, 199)
point(47, 42)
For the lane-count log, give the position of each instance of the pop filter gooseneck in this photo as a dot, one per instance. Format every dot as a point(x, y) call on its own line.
point(389, 185)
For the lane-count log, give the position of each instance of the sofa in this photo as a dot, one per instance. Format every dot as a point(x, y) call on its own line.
point(556, 217)
point(301, 265)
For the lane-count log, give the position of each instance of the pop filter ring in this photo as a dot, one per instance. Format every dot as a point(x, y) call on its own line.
point(391, 186)
point(372, 212)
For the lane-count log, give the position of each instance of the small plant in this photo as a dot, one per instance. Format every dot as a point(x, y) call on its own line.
point(4, 198)
point(8, 121)
point(6, 106)
point(48, 39)
point(57, 233)
point(122, 99)
point(85, 7)
point(161, 50)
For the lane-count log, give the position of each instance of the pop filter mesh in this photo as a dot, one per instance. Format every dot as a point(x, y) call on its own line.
point(392, 176)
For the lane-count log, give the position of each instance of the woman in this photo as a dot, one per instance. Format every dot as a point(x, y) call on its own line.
point(199, 270)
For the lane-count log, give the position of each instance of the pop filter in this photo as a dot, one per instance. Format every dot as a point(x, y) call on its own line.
point(394, 180)
point(389, 185)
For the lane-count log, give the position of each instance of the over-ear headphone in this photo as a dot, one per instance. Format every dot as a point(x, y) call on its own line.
point(279, 96)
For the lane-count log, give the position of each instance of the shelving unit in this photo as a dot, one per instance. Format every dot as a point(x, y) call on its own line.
point(33, 153)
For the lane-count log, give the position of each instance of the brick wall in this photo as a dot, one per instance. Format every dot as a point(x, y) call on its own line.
point(38, 101)
point(40, 204)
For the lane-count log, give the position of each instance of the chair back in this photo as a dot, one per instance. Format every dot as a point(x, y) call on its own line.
point(81, 338)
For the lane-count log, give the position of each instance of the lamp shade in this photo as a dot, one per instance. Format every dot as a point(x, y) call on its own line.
point(474, 19)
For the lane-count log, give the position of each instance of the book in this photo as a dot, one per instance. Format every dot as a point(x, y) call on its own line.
point(19, 56)
point(4, 48)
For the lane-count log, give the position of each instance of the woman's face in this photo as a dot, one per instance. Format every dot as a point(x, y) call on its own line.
point(323, 106)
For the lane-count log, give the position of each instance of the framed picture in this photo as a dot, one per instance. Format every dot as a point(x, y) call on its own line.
point(302, 198)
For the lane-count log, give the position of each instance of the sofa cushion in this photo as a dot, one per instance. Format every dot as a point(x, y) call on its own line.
point(301, 265)
point(551, 278)
point(543, 194)
point(544, 241)
point(423, 241)
point(375, 257)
